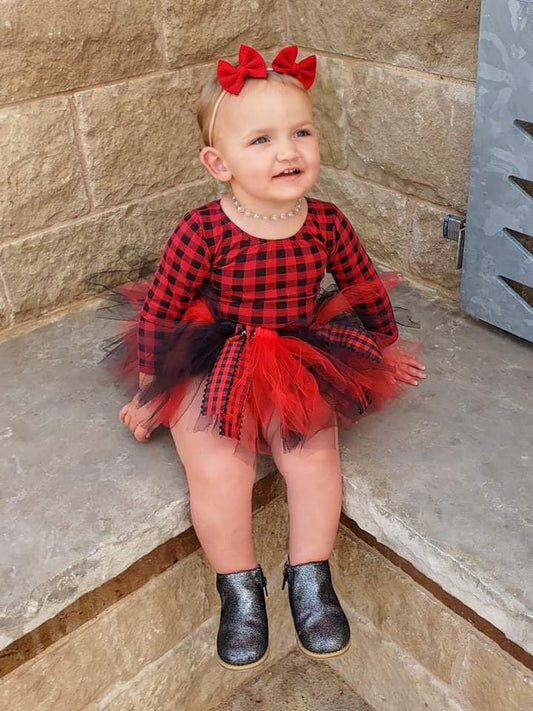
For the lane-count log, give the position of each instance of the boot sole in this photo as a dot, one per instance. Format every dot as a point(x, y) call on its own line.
point(326, 655)
point(244, 667)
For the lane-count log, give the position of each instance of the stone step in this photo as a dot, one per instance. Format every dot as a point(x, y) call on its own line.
point(442, 477)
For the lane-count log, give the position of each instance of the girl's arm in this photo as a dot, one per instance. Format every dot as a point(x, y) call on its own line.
point(183, 267)
point(349, 263)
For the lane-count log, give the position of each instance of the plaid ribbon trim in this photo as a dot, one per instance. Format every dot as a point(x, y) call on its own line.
point(347, 337)
point(220, 380)
point(228, 383)
point(231, 422)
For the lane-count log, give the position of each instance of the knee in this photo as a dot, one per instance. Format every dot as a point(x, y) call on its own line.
point(310, 465)
point(218, 477)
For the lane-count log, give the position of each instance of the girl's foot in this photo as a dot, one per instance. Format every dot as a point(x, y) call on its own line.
point(242, 640)
point(322, 628)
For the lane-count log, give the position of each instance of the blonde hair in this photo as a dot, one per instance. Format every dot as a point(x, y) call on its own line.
point(213, 92)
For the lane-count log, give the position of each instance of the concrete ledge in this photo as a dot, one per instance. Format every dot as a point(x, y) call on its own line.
point(440, 477)
point(81, 500)
point(443, 477)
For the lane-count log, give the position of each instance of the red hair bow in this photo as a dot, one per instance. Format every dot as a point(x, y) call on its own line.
point(251, 64)
point(285, 62)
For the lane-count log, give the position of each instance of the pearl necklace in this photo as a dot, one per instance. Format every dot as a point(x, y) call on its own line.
point(283, 216)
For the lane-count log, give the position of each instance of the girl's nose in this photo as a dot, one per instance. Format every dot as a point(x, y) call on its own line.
point(286, 150)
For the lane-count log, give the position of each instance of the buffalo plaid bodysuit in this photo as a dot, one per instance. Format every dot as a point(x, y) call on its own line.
point(251, 289)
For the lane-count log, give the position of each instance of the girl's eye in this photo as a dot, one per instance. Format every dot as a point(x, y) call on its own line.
point(303, 132)
point(259, 140)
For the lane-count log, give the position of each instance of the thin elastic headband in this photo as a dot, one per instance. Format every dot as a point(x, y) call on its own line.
point(251, 64)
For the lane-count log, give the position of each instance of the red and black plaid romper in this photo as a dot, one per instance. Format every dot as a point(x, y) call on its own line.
point(261, 286)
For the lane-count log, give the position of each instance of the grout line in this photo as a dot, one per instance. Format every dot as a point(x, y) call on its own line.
point(17, 239)
point(376, 184)
point(5, 293)
point(73, 91)
point(436, 76)
point(161, 45)
point(78, 139)
point(174, 70)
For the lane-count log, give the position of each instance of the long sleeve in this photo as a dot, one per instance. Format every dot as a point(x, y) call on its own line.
point(183, 267)
point(349, 263)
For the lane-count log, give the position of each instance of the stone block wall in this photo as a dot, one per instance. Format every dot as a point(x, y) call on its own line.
point(98, 140)
point(98, 135)
point(396, 122)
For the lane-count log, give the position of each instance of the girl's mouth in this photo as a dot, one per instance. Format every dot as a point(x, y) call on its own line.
point(289, 173)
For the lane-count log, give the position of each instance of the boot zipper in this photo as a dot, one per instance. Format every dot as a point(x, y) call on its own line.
point(263, 579)
point(285, 575)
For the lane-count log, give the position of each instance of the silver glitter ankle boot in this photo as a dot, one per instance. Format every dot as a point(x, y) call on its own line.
point(242, 640)
point(322, 628)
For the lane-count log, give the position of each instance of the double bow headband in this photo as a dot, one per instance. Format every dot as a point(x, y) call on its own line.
point(252, 65)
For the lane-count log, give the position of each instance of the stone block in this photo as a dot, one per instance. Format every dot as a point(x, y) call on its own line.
point(427, 34)
point(60, 45)
point(40, 170)
point(397, 606)
point(410, 132)
point(153, 648)
point(114, 646)
point(490, 680)
point(70, 674)
point(188, 676)
point(141, 137)
point(378, 214)
point(50, 270)
point(330, 116)
point(432, 257)
point(155, 617)
point(160, 214)
point(218, 29)
point(385, 676)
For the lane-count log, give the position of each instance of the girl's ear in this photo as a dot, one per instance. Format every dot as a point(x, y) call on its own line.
point(214, 164)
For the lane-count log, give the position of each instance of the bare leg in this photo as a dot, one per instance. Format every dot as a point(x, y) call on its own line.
point(314, 494)
point(220, 486)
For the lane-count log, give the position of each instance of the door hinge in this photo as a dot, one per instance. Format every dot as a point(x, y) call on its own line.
point(453, 227)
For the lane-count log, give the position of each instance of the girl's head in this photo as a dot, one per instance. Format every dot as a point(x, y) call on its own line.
point(260, 127)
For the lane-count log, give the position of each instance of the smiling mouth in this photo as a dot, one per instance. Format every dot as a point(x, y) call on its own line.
point(288, 171)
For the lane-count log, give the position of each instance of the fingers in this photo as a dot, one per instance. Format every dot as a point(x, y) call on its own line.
point(141, 434)
point(409, 375)
point(408, 359)
point(130, 416)
point(406, 378)
point(409, 369)
point(415, 372)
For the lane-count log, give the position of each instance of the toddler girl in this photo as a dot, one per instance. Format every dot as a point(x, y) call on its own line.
point(238, 350)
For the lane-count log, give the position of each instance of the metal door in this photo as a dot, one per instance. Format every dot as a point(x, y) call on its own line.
point(497, 278)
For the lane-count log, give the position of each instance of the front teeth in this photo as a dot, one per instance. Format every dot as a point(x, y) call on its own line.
point(290, 171)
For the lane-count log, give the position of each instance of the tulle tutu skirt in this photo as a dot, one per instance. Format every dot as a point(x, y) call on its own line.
point(303, 379)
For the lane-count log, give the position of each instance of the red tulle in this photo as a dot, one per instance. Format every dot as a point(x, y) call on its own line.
point(282, 378)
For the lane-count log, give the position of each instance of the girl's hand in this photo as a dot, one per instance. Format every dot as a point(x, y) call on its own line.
point(407, 368)
point(132, 415)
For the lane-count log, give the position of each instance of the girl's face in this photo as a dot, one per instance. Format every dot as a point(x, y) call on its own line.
point(267, 144)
